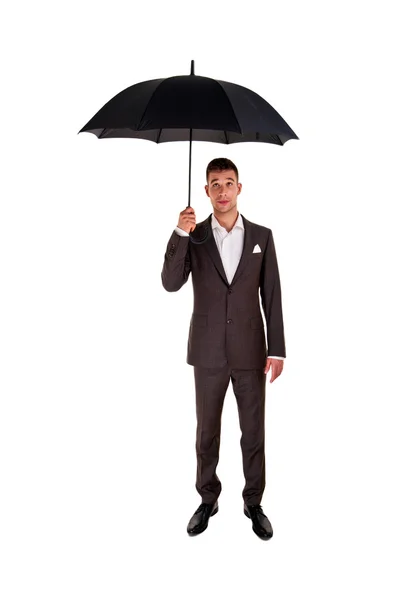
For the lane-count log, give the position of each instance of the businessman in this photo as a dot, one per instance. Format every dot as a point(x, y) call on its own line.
point(227, 339)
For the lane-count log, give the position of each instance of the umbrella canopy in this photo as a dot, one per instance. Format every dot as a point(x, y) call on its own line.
point(187, 108)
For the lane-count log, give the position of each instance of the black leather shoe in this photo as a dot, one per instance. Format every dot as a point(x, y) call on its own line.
point(260, 523)
point(199, 521)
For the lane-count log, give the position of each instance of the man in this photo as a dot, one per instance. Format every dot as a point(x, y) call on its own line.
point(227, 338)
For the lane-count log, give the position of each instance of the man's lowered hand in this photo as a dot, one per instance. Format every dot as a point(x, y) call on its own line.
point(277, 366)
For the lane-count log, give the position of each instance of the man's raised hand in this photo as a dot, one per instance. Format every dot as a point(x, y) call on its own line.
point(187, 220)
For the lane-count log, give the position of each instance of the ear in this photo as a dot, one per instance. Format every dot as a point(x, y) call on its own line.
point(206, 190)
point(239, 185)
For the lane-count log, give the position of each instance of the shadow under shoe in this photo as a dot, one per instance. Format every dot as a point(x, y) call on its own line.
point(199, 521)
point(260, 523)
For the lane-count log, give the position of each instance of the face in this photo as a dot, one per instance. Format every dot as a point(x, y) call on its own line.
point(223, 189)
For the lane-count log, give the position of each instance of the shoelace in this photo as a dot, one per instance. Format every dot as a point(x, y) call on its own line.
point(200, 508)
point(257, 508)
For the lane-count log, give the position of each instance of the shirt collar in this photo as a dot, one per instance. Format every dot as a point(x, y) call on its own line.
point(216, 224)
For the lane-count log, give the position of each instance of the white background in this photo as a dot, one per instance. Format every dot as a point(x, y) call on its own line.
point(97, 401)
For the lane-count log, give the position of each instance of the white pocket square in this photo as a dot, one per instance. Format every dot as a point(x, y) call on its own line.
point(256, 249)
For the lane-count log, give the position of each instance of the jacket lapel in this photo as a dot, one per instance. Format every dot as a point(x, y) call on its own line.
point(213, 251)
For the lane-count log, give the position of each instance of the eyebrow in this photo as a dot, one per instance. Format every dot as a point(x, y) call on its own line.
point(217, 179)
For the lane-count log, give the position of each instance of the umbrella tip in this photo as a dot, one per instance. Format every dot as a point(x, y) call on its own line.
point(192, 68)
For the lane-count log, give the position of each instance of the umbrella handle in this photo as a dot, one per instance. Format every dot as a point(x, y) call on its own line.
point(200, 236)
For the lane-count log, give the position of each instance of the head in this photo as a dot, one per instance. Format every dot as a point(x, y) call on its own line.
point(222, 184)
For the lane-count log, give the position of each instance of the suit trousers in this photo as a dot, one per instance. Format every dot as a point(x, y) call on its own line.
point(249, 388)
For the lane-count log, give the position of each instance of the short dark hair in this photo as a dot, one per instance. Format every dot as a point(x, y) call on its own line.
point(221, 164)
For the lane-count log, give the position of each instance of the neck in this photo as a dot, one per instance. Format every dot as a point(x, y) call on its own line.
point(227, 220)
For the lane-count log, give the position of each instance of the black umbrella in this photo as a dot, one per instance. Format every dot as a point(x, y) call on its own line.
point(187, 108)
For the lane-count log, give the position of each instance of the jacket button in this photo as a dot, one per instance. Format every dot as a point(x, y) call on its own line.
point(230, 291)
point(230, 321)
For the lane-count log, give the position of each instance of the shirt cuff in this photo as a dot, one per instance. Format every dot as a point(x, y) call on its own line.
point(181, 232)
point(279, 357)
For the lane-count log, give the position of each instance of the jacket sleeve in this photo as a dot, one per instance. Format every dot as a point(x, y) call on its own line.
point(270, 291)
point(177, 263)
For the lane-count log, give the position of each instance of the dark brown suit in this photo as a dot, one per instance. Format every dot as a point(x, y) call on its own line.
point(227, 340)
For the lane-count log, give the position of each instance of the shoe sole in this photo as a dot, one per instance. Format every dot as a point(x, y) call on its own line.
point(192, 534)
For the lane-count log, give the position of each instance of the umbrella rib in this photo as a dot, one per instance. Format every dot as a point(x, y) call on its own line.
point(229, 101)
point(159, 135)
point(225, 135)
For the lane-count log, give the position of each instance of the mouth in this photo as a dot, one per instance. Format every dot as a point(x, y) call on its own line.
point(223, 201)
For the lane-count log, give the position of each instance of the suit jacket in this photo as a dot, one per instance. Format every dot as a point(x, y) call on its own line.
point(226, 325)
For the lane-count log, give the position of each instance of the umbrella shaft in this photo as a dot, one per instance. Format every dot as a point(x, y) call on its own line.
point(189, 168)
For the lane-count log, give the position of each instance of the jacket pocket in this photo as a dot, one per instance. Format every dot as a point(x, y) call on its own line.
point(199, 320)
point(257, 323)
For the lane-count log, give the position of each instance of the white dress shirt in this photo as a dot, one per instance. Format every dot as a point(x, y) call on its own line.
point(230, 245)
